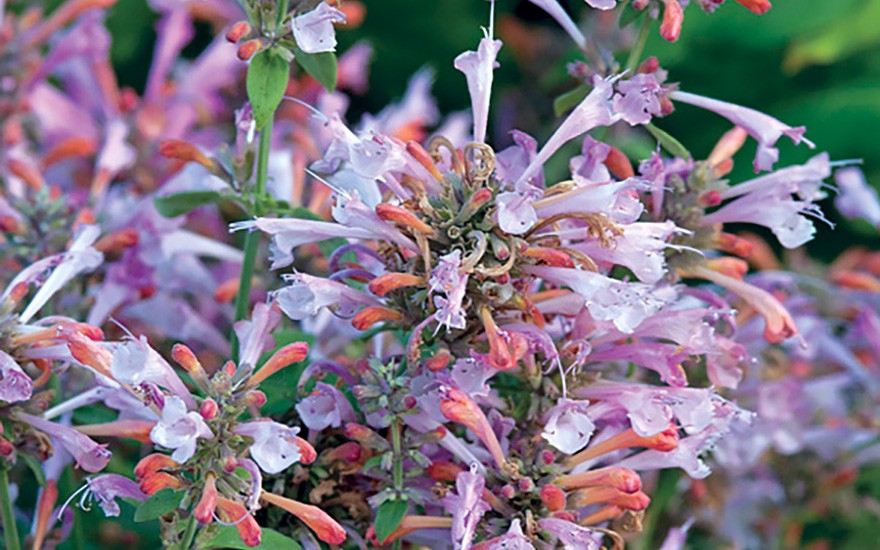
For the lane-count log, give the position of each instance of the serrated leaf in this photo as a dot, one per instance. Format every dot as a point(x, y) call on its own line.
point(569, 99)
point(161, 503)
point(178, 204)
point(321, 66)
point(227, 537)
point(267, 77)
point(389, 516)
point(667, 142)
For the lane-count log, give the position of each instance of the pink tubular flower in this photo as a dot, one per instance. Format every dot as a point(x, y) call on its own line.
point(15, 384)
point(478, 67)
point(466, 506)
point(856, 198)
point(179, 429)
point(556, 11)
point(326, 406)
point(594, 110)
point(447, 278)
point(135, 362)
point(571, 535)
point(89, 455)
point(307, 294)
point(764, 128)
point(569, 426)
point(107, 488)
point(314, 32)
point(275, 446)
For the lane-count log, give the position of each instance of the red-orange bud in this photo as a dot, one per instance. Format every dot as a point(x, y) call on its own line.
point(248, 49)
point(383, 284)
point(238, 31)
point(553, 498)
point(369, 316)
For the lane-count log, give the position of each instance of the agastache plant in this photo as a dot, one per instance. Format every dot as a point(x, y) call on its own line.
point(298, 330)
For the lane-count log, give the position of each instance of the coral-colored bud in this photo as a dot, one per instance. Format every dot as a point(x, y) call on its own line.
point(473, 205)
point(609, 495)
point(307, 453)
point(756, 6)
point(132, 429)
point(505, 349)
point(366, 436)
point(237, 31)
point(248, 49)
point(184, 151)
point(255, 398)
point(732, 267)
point(229, 369)
point(209, 409)
point(673, 16)
point(508, 491)
point(732, 244)
point(398, 214)
point(319, 521)
point(69, 148)
point(227, 290)
point(856, 280)
point(18, 292)
point(424, 158)
point(526, 484)
point(619, 164)
point(347, 452)
point(729, 144)
point(440, 360)
point(87, 352)
point(236, 514)
point(605, 513)
point(553, 498)
point(442, 470)
point(622, 479)
point(547, 457)
point(665, 441)
point(26, 173)
point(382, 285)
point(152, 463)
point(649, 65)
point(185, 357)
point(204, 511)
point(710, 198)
point(6, 447)
point(154, 483)
point(118, 240)
point(284, 357)
point(550, 256)
point(458, 407)
point(369, 316)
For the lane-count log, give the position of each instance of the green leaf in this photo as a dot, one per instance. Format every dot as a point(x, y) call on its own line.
point(569, 99)
point(161, 503)
point(851, 34)
point(672, 145)
point(35, 467)
point(177, 204)
point(389, 516)
point(267, 77)
point(227, 537)
point(628, 15)
point(322, 67)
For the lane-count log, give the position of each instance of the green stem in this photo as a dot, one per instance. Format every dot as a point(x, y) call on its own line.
point(189, 534)
point(10, 531)
point(397, 449)
point(635, 55)
point(252, 241)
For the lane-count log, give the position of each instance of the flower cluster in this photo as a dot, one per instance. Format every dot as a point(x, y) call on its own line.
point(464, 348)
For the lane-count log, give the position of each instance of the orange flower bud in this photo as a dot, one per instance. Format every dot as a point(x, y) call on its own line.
point(382, 285)
point(673, 16)
point(132, 429)
point(184, 151)
point(248, 49)
point(622, 479)
point(288, 355)
point(204, 511)
point(347, 452)
point(369, 316)
point(154, 483)
point(26, 173)
point(732, 267)
point(118, 240)
point(612, 511)
point(227, 291)
point(319, 521)
point(549, 256)
point(442, 470)
point(458, 407)
point(208, 409)
point(398, 214)
point(424, 158)
point(233, 512)
point(553, 498)
point(756, 6)
point(185, 357)
point(237, 31)
point(732, 244)
point(609, 495)
point(440, 360)
point(665, 441)
point(153, 463)
point(618, 163)
point(307, 453)
point(69, 148)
